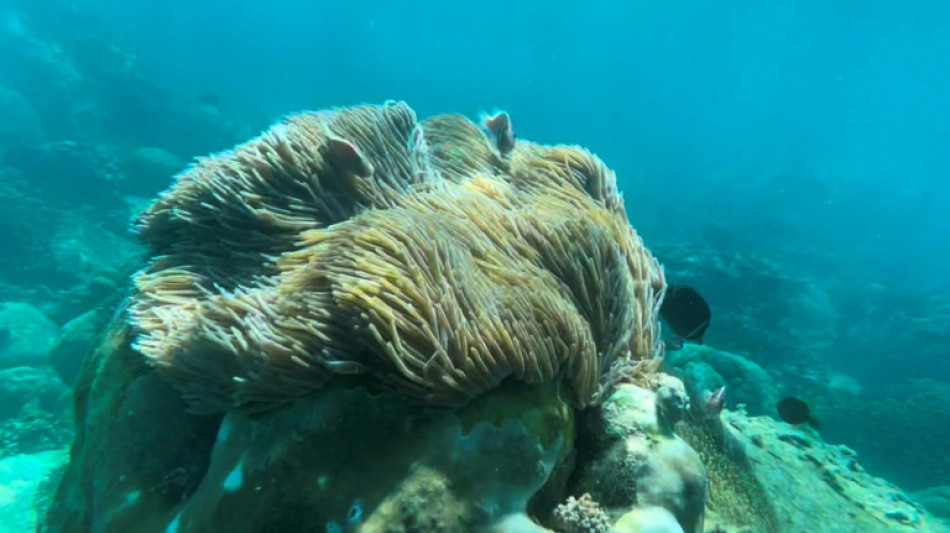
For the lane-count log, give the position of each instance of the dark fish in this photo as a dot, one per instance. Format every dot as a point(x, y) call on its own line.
point(796, 412)
point(210, 99)
point(686, 312)
point(499, 125)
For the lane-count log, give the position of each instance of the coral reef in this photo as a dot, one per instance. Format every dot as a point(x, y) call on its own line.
point(363, 322)
point(764, 312)
point(703, 368)
point(26, 335)
point(34, 414)
point(581, 515)
point(85, 85)
point(735, 498)
point(936, 500)
point(633, 459)
point(77, 338)
point(19, 123)
point(879, 423)
point(408, 261)
point(823, 484)
point(891, 321)
point(27, 482)
point(61, 257)
point(146, 170)
point(69, 174)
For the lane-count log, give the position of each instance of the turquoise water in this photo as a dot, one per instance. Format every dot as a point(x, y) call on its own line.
point(788, 161)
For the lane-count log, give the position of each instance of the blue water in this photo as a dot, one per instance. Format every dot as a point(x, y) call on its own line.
point(824, 121)
point(799, 151)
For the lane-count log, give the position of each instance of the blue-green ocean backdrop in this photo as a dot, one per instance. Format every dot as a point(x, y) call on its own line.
point(790, 160)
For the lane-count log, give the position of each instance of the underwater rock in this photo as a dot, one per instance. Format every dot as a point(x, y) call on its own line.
point(162, 450)
point(703, 368)
point(148, 171)
point(518, 523)
point(26, 335)
point(762, 311)
point(635, 460)
point(86, 85)
point(935, 499)
point(75, 341)
point(70, 174)
point(51, 246)
point(26, 223)
point(811, 484)
point(22, 386)
point(26, 481)
point(34, 411)
point(19, 124)
point(897, 429)
point(101, 258)
point(382, 464)
point(648, 520)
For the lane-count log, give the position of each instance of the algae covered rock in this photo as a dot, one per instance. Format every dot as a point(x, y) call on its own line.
point(34, 411)
point(340, 459)
point(703, 368)
point(147, 171)
point(936, 500)
point(19, 123)
point(25, 483)
point(634, 459)
point(648, 520)
point(76, 339)
point(814, 484)
point(26, 335)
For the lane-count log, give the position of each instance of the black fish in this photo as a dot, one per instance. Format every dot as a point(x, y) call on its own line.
point(210, 99)
point(796, 412)
point(686, 312)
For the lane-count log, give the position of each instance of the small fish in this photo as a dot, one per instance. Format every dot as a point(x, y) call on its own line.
point(499, 125)
point(356, 513)
point(210, 99)
point(796, 412)
point(673, 345)
point(686, 312)
point(714, 401)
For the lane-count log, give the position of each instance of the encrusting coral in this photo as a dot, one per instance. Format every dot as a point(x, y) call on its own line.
point(429, 255)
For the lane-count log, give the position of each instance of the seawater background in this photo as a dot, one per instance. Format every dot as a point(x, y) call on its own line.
point(815, 125)
point(789, 160)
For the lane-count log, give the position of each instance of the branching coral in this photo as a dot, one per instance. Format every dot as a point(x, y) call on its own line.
point(361, 241)
point(581, 515)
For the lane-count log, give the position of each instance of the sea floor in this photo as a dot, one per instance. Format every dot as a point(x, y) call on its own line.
point(26, 483)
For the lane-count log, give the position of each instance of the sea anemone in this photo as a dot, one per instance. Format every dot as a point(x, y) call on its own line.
point(360, 241)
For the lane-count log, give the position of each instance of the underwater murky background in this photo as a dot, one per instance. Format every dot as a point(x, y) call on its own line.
point(790, 161)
